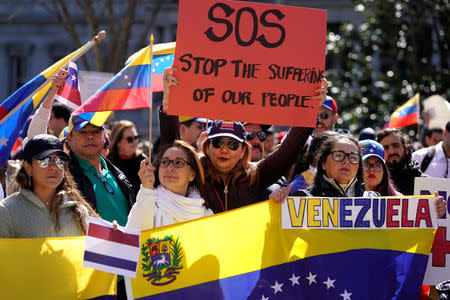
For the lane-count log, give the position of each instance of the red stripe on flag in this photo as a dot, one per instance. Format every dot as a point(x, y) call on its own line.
point(157, 82)
point(108, 234)
point(410, 119)
point(71, 94)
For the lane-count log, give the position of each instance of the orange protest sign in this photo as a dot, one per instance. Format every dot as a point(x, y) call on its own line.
point(249, 62)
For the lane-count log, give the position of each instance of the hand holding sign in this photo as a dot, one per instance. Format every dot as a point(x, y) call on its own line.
point(250, 62)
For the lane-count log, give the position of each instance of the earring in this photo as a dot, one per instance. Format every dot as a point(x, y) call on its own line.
point(29, 181)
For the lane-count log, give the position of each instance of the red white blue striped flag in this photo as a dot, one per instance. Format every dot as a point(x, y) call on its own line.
point(112, 251)
point(70, 93)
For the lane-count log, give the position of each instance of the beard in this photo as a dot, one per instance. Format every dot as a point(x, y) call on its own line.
point(396, 166)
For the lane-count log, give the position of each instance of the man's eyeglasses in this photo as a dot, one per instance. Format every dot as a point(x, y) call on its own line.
point(60, 162)
point(324, 116)
point(340, 156)
point(107, 185)
point(177, 163)
point(132, 139)
point(260, 134)
point(378, 167)
point(233, 145)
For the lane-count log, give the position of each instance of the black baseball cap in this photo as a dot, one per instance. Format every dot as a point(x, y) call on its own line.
point(41, 146)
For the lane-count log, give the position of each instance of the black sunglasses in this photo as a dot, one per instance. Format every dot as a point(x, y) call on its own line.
point(324, 116)
point(108, 186)
point(233, 145)
point(131, 139)
point(260, 134)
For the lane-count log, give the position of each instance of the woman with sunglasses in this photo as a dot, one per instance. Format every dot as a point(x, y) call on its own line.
point(124, 153)
point(178, 196)
point(231, 181)
point(48, 203)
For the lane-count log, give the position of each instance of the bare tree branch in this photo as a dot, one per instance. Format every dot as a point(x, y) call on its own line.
point(143, 39)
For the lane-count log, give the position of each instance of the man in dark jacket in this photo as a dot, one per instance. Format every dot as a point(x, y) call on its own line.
point(397, 153)
point(103, 185)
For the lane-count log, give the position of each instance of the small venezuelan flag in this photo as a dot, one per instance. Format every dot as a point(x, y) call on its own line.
point(405, 115)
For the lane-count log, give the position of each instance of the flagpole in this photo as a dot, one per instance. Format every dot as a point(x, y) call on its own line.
point(151, 96)
point(418, 112)
point(86, 47)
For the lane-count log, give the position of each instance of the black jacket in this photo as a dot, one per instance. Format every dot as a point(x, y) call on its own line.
point(322, 188)
point(85, 186)
point(404, 178)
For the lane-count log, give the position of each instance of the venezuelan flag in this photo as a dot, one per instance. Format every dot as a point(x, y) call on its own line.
point(51, 268)
point(405, 115)
point(130, 88)
point(10, 128)
point(244, 254)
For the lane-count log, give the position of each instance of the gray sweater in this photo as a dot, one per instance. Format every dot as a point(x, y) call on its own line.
point(23, 215)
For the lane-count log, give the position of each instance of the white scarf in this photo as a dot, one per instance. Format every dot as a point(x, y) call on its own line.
point(173, 208)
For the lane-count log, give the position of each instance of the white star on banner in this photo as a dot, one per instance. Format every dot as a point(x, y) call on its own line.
point(125, 76)
point(119, 74)
point(74, 77)
point(346, 295)
point(156, 63)
point(311, 278)
point(277, 287)
point(168, 57)
point(129, 83)
point(3, 141)
point(162, 59)
point(153, 70)
point(294, 279)
point(264, 298)
point(329, 283)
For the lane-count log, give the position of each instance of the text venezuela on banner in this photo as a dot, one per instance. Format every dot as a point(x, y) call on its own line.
point(245, 254)
point(252, 62)
point(51, 269)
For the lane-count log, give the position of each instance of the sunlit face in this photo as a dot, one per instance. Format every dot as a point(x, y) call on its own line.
point(344, 171)
point(394, 152)
point(190, 134)
point(48, 178)
point(124, 146)
point(327, 120)
point(224, 159)
point(174, 179)
point(88, 142)
point(257, 145)
point(373, 177)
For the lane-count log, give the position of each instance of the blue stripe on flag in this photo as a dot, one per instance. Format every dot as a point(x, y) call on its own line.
point(110, 261)
point(408, 110)
point(365, 273)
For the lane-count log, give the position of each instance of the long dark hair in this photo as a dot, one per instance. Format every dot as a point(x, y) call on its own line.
point(194, 162)
point(243, 170)
point(66, 187)
point(325, 150)
point(117, 135)
point(386, 186)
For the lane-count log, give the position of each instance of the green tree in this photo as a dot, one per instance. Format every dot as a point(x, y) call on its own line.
point(401, 49)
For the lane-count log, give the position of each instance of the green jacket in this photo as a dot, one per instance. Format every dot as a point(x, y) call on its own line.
point(23, 215)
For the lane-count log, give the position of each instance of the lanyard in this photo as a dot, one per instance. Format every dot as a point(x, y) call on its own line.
point(218, 197)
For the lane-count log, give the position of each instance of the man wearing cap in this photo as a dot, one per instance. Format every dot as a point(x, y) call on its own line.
point(255, 134)
point(190, 129)
point(327, 116)
point(103, 185)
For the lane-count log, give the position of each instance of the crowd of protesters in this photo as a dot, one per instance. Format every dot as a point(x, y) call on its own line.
point(201, 168)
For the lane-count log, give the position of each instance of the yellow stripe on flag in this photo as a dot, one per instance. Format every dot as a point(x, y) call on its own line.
point(50, 269)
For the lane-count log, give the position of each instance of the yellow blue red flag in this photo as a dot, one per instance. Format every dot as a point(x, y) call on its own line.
point(245, 254)
point(10, 128)
point(130, 88)
point(52, 269)
point(405, 115)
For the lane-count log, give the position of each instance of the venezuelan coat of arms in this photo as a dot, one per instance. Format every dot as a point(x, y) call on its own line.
point(161, 260)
